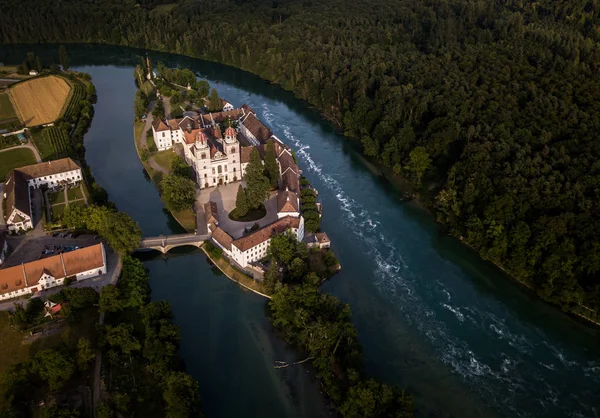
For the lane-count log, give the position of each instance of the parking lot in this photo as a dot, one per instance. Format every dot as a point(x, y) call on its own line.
point(23, 250)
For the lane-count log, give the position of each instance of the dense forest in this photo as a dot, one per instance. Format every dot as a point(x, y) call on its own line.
point(488, 107)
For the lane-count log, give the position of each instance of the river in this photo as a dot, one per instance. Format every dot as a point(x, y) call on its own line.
point(432, 316)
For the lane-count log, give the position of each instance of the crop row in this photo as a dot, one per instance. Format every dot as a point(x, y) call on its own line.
point(59, 139)
point(78, 96)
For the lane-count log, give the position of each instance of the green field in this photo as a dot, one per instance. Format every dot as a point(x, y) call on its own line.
point(14, 158)
point(57, 212)
point(53, 143)
point(74, 194)
point(6, 108)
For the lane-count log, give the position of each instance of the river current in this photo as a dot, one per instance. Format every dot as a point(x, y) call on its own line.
point(432, 316)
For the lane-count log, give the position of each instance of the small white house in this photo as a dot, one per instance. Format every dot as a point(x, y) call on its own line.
point(33, 72)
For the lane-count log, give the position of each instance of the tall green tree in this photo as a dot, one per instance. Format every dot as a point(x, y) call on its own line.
point(271, 166)
point(55, 366)
point(241, 202)
point(257, 184)
point(419, 163)
point(181, 396)
point(214, 102)
point(178, 192)
point(140, 103)
point(159, 109)
point(63, 57)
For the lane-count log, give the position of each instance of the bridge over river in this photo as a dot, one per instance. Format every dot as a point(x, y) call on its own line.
point(164, 243)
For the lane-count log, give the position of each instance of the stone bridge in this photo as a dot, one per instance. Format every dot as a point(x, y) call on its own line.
point(164, 243)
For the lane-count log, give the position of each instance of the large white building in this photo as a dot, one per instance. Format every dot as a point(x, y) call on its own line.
point(50, 272)
point(215, 156)
point(17, 193)
point(254, 246)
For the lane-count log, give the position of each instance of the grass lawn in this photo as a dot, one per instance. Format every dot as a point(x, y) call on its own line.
point(7, 111)
point(10, 344)
point(57, 212)
point(150, 142)
point(164, 158)
point(57, 197)
point(252, 215)
point(236, 275)
point(186, 218)
point(74, 194)
point(138, 128)
point(44, 146)
point(14, 158)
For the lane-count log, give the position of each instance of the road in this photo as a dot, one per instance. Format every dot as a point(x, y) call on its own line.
point(172, 240)
point(31, 147)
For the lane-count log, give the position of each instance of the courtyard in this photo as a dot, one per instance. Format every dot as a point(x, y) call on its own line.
point(58, 200)
point(224, 197)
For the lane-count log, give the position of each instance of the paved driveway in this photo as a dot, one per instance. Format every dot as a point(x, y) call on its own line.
point(224, 196)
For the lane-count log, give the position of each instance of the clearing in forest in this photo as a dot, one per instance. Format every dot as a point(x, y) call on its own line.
point(41, 99)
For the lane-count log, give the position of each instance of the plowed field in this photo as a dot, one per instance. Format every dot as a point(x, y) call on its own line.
point(40, 100)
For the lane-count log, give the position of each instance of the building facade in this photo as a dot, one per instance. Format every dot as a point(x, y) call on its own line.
point(50, 272)
point(21, 181)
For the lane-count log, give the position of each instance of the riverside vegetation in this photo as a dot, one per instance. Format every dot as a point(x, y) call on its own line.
point(488, 107)
point(321, 326)
point(145, 376)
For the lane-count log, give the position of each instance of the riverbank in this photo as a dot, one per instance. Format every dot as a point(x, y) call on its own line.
point(232, 274)
point(185, 218)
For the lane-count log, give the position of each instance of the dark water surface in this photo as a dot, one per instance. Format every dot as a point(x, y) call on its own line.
point(432, 316)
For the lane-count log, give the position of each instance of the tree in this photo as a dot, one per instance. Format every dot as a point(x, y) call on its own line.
point(283, 248)
point(104, 410)
point(178, 193)
point(133, 283)
point(192, 96)
point(55, 366)
point(271, 166)
point(180, 168)
point(159, 109)
point(121, 232)
point(85, 353)
point(257, 184)
point(121, 337)
point(214, 102)
point(181, 396)
point(271, 279)
point(203, 88)
point(419, 163)
point(372, 399)
point(63, 57)
point(241, 203)
point(297, 268)
point(110, 299)
point(140, 103)
point(176, 99)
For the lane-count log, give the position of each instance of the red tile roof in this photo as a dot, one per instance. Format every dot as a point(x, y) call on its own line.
point(48, 168)
point(257, 128)
point(263, 234)
point(221, 237)
point(287, 202)
point(58, 266)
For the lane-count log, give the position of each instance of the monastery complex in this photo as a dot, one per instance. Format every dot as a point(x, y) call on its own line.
point(218, 146)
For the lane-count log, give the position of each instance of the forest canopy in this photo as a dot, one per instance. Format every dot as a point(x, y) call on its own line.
point(488, 107)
